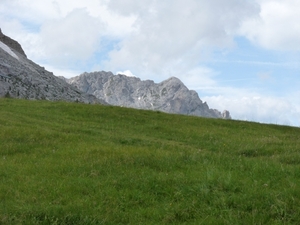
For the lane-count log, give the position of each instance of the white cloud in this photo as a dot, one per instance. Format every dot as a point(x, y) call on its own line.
point(71, 39)
point(65, 72)
point(172, 32)
point(198, 78)
point(126, 72)
point(115, 24)
point(277, 27)
point(258, 108)
point(62, 31)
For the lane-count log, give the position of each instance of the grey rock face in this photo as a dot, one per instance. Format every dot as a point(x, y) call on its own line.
point(170, 96)
point(11, 43)
point(22, 78)
point(226, 114)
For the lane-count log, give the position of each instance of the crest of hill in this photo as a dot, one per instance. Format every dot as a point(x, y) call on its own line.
point(22, 78)
point(170, 96)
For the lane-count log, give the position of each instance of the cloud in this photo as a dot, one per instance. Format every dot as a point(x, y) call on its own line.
point(258, 108)
point(62, 71)
point(71, 39)
point(277, 27)
point(28, 11)
point(126, 72)
point(199, 78)
point(176, 32)
point(258, 104)
point(64, 32)
point(130, 7)
point(151, 36)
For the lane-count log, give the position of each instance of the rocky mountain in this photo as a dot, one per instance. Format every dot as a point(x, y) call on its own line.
point(22, 78)
point(170, 96)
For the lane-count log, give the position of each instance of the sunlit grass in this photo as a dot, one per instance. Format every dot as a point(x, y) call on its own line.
point(66, 163)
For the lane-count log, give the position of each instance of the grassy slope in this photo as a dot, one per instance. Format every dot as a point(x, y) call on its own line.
point(64, 163)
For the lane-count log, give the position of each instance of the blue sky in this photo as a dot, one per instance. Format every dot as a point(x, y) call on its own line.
point(242, 56)
point(274, 73)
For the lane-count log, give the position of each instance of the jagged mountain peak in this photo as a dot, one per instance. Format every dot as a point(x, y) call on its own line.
point(170, 96)
point(172, 79)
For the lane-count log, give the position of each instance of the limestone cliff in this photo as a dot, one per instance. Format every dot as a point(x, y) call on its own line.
point(170, 96)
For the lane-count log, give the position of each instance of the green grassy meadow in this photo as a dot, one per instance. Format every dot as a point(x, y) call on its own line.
point(70, 163)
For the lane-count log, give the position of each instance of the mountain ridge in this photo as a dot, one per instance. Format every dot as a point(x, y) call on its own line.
point(170, 95)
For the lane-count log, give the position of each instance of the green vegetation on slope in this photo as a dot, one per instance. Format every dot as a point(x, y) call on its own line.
point(68, 163)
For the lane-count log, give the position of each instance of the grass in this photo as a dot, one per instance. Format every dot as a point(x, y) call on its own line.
point(68, 163)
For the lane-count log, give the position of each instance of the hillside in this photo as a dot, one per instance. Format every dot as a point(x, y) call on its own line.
point(73, 163)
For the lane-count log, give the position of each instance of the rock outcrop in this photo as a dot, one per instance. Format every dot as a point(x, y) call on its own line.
point(170, 96)
point(22, 78)
point(11, 43)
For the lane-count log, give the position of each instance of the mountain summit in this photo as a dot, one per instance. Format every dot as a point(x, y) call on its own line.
point(170, 96)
